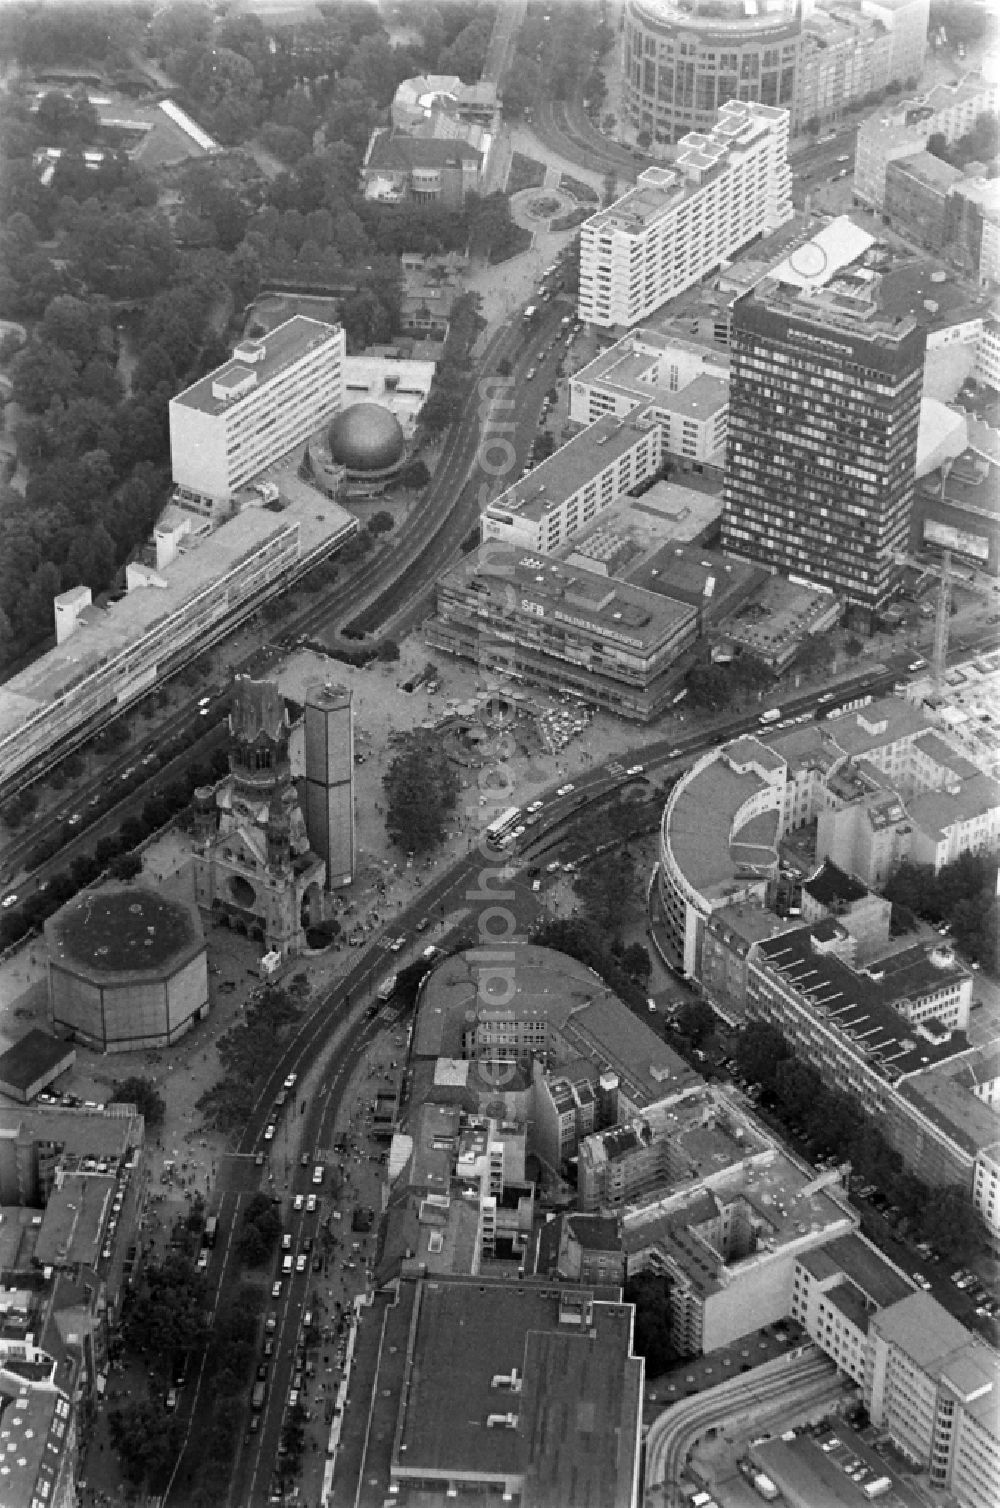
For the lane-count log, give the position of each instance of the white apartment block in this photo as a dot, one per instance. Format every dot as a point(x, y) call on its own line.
point(988, 354)
point(949, 110)
point(275, 392)
point(986, 1188)
point(935, 1389)
point(585, 476)
point(725, 188)
point(685, 384)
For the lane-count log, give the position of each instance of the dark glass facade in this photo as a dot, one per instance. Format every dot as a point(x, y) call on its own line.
point(823, 419)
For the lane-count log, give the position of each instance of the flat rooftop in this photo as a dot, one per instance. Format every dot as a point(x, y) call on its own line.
point(700, 820)
point(585, 1020)
point(944, 1094)
point(104, 634)
point(864, 1265)
point(694, 574)
point(943, 1349)
point(274, 352)
point(699, 156)
point(570, 1432)
point(628, 535)
point(574, 595)
point(34, 1056)
point(574, 464)
point(73, 1223)
point(881, 723)
point(118, 930)
point(83, 1133)
point(634, 365)
point(860, 1004)
point(787, 1201)
point(707, 1133)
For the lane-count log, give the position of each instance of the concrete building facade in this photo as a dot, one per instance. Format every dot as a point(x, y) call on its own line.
point(275, 392)
point(725, 188)
point(823, 418)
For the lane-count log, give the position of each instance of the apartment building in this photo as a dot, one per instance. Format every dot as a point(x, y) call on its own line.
point(725, 188)
point(563, 626)
point(696, 1131)
point(935, 1389)
point(823, 417)
point(887, 1035)
point(728, 1238)
point(272, 395)
point(571, 487)
point(837, 1289)
point(685, 384)
point(948, 110)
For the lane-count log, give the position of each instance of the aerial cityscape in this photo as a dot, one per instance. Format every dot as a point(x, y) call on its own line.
point(499, 753)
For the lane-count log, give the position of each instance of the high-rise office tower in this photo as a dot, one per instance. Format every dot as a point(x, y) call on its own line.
point(329, 780)
point(824, 408)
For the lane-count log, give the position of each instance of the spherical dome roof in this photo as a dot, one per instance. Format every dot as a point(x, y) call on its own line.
point(366, 437)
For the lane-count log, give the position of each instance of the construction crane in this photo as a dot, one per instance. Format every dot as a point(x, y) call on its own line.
point(942, 615)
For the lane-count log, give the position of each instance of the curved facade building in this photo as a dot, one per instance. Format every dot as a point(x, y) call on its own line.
point(683, 60)
point(718, 841)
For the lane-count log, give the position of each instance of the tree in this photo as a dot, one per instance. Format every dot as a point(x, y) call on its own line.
point(422, 787)
point(759, 1050)
point(381, 523)
point(125, 866)
point(146, 1438)
point(142, 1093)
point(696, 1021)
point(637, 962)
point(608, 892)
point(168, 1313)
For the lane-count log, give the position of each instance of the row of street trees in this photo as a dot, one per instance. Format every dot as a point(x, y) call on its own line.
point(246, 1053)
point(832, 1125)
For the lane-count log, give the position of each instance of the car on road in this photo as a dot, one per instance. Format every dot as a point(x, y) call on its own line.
point(300, 1262)
point(269, 1131)
point(529, 374)
point(318, 1173)
point(286, 1263)
point(202, 1263)
point(259, 1160)
point(921, 1281)
point(75, 819)
point(534, 806)
point(276, 1289)
point(636, 769)
point(827, 696)
point(396, 944)
point(286, 1241)
point(565, 790)
point(298, 1201)
point(9, 900)
point(310, 1204)
point(290, 1081)
point(293, 1397)
point(170, 1401)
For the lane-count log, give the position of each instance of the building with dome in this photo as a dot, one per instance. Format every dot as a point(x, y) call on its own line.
point(368, 440)
point(127, 968)
point(254, 868)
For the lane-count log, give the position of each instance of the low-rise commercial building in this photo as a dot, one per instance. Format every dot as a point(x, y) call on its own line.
point(421, 169)
point(724, 188)
point(562, 626)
